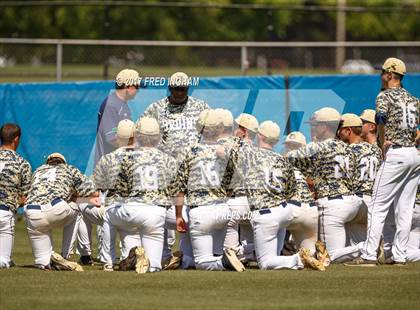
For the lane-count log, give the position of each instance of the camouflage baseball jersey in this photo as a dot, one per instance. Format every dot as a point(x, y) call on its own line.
point(366, 161)
point(60, 181)
point(418, 195)
point(106, 175)
point(270, 179)
point(301, 192)
point(238, 152)
point(200, 176)
point(149, 173)
point(402, 112)
point(177, 123)
point(327, 163)
point(15, 178)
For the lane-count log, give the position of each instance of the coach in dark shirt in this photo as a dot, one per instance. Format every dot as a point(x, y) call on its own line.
point(114, 109)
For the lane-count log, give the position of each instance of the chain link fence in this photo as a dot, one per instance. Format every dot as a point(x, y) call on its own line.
point(44, 59)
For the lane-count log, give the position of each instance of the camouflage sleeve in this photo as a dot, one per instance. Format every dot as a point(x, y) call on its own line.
point(381, 108)
point(26, 178)
point(171, 189)
point(289, 176)
point(303, 158)
point(181, 179)
point(151, 111)
point(352, 173)
point(83, 185)
point(100, 174)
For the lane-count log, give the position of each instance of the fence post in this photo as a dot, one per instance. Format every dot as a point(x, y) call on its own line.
point(59, 62)
point(244, 60)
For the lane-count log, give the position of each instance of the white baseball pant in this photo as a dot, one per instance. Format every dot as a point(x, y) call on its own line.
point(239, 234)
point(138, 224)
point(184, 239)
point(304, 225)
point(355, 233)
point(334, 213)
point(41, 220)
point(395, 184)
point(7, 229)
point(269, 232)
point(208, 226)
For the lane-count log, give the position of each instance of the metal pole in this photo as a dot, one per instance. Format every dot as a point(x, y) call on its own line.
point(340, 55)
point(244, 60)
point(59, 62)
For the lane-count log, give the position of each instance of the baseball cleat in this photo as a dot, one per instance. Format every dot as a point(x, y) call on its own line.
point(391, 261)
point(108, 267)
point(86, 260)
point(129, 263)
point(321, 253)
point(231, 262)
point(62, 264)
point(360, 262)
point(142, 262)
point(309, 261)
point(174, 261)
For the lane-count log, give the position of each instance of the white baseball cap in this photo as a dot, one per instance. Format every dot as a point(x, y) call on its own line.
point(201, 120)
point(394, 65)
point(368, 115)
point(125, 129)
point(178, 79)
point(270, 130)
point(296, 137)
point(148, 126)
point(57, 155)
point(226, 116)
point(350, 120)
point(247, 121)
point(212, 119)
point(325, 115)
point(128, 77)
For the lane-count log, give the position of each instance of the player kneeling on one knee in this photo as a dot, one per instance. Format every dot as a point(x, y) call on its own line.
point(143, 182)
point(200, 179)
point(53, 185)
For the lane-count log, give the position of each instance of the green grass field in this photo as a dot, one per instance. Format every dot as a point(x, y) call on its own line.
point(340, 287)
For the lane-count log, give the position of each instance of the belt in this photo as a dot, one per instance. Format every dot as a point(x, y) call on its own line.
point(395, 146)
point(38, 207)
point(4, 208)
point(335, 197)
point(268, 211)
point(299, 204)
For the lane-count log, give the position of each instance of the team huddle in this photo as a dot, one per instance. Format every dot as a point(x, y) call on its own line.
point(349, 196)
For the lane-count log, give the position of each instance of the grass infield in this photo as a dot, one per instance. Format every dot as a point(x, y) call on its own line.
point(340, 287)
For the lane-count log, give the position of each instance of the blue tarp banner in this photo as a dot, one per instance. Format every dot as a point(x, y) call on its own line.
point(62, 117)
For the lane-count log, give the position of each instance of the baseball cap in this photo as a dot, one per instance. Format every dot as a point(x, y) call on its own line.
point(56, 155)
point(226, 116)
point(394, 65)
point(247, 121)
point(325, 115)
point(368, 116)
point(128, 77)
point(270, 130)
point(148, 126)
point(350, 120)
point(201, 120)
point(178, 79)
point(212, 119)
point(295, 137)
point(125, 129)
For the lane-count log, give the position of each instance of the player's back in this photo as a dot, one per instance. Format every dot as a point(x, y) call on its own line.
point(269, 179)
point(200, 175)
point(148, 173)
point(57, 181)
point(402, 113)
point(327, 163)
point(15, 177)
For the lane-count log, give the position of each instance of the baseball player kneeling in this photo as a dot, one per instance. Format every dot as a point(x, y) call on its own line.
point(146, 174)
point(53, 185)
point(199, 181)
